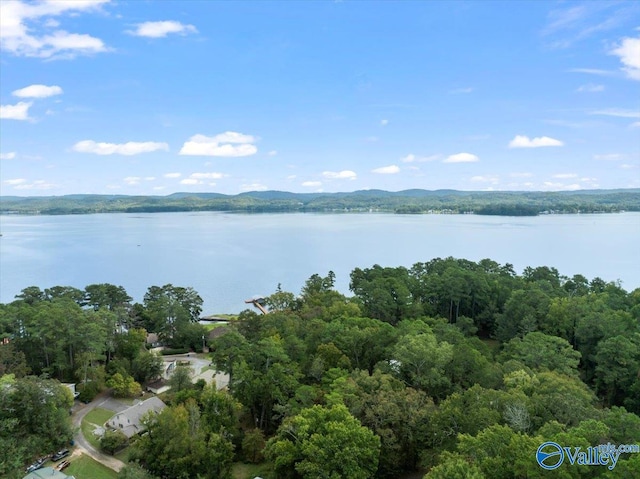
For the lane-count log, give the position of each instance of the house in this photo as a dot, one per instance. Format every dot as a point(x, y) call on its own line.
point(129, 421)
point(47, 473)
point(153, 340)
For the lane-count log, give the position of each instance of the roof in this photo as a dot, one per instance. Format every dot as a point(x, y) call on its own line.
point(47, 473)
point(128, 421)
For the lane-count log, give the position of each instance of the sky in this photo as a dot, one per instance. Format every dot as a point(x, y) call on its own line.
point(152, 98)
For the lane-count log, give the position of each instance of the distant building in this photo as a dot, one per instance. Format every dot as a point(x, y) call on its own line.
point(129, 420)
point(47, 473)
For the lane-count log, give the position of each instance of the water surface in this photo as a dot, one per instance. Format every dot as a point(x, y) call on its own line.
point(228, 258)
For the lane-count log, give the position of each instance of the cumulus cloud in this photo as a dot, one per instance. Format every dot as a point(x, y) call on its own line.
point(8, 156)
point(628, 51)
point(272, 153)
point(384, 122)
point(410, 158)
point(23, 33)
point(15, 181)
point(486, 179)
point(35, 185)
point(190, 181)
point(565, 175)
point(162, 29)
point(19, 111)
point(312, 184)
point(207, 176)
point(132, 180)
point(521, 175)
point(635, 124)
point(386, 170)
point(127, 149)
point(461, 158)
point(590, 88)
point(227, 144)
point(521, 141)
point(37, 91)
point(340, 175)
point(549, 185)
point(253, 187)
point(172, 175)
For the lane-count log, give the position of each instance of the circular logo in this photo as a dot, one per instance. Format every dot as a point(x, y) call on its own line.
point(550, 456)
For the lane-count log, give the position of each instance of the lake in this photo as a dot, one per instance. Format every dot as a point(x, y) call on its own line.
point(228, 257)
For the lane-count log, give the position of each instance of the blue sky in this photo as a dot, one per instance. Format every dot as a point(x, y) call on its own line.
point(138, 97)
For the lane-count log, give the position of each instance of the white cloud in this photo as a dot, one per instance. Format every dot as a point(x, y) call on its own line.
point(384, 122)
point(19, 111)
point(190, 181)
point(608, 157)
point(521, 175)
point(565, 176)
point(410, 158)
point(8, 156)
point(629, 53)
point(486, 179)
point(592, 71)
point(311, 184)
point(15, 181)
point(36, 185)
point(162, 29)
point(207, 176)
point(253, 187)
point(387, 170)
point(618, 112)
point(22, 32)
point(132, 180)
point(521, 141)
point(627, 166)
point(292, 177)
point(590, 88)
point(272, 153)
point(549, 185)
point(172, 175)
point(127, 149)
point(227, 144)
point(340, 175)
point(37, 91)
point(635, 124)
point(461, 158)
point(149, 178)
point(158, 188)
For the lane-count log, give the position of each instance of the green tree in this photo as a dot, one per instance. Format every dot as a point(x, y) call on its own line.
point(181, 378)
point(454, 466)
point(324, 443)
point(617, 367)
point(113, 441)
point(542, 352)
point(124, 385)
point(147, 367)
point(253, 445)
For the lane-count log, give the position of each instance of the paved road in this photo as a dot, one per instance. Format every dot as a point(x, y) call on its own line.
point(102, 400)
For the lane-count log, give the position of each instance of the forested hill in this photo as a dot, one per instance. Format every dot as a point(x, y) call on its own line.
point(511, 203)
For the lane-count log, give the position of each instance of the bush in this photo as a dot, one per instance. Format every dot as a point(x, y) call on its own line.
point(113, 441)
point(88, 391)
point(167, 352)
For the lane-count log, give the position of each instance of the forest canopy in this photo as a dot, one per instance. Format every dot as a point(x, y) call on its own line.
point(451, 367)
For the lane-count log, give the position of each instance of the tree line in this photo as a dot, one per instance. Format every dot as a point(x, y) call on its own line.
point(402, 202)
point(453, 367)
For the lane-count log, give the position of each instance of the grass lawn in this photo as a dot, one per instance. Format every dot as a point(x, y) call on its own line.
point(85, 467)
point(96, 417)
point(240, 470)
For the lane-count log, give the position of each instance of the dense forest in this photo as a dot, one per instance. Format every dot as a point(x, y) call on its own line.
point(402, 202)
point(449, 369)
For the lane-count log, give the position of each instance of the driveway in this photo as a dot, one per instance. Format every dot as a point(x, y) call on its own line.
point(81, 443)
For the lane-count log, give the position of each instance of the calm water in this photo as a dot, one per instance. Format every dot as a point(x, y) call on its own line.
point(228, 258)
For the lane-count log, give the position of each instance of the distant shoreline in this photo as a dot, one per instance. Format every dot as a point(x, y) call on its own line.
point(493, 203)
